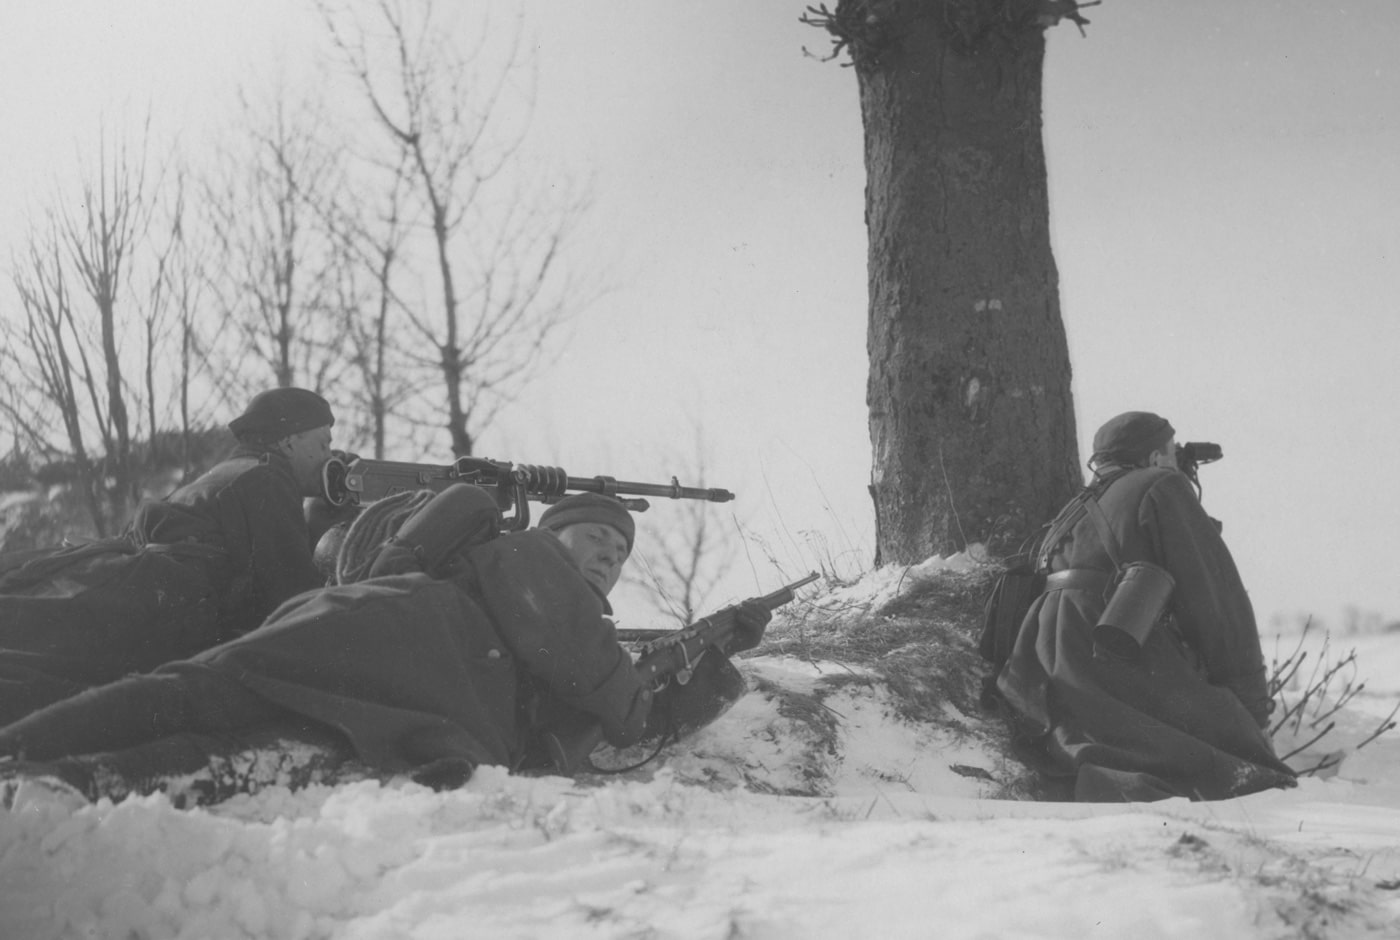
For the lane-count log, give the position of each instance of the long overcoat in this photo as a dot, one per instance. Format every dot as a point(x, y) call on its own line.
point(193, 570)
point(1184, 718)
point(413, 669)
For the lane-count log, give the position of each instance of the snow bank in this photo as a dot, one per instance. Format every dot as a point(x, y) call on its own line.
point(811, 809)
point(544, 857)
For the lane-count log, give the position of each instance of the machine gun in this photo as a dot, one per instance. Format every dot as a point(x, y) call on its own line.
point(671, 655)
point(352, 481)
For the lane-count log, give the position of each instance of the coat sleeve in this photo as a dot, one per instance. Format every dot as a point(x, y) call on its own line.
point(554, 623)
point(1210, 604)
point(279, 552)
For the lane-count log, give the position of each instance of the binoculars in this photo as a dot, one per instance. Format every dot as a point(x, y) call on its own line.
point(1194, 453)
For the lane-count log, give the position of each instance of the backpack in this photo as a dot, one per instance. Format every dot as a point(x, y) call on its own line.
point(1010, 599)
point(1012, 594)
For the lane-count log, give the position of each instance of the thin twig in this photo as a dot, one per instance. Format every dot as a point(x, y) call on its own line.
point(1281, 680)
point(1349, 693)
point(1313, 740)
point(1331, 760)
point(1386, 724)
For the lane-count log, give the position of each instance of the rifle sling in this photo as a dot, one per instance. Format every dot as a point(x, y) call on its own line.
point(1110, 541)
point(1086, 503)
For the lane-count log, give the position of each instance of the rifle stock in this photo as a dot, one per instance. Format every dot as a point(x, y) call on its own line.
point(356, 480)
point(670, 655)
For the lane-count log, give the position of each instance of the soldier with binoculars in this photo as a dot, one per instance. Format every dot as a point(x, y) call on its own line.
point(1137, 673)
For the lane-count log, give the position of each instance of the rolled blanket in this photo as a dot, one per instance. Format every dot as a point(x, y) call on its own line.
point(371, 529)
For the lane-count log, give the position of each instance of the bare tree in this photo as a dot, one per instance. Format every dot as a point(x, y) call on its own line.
point(452, 117)
point(376, 237)
point(103, 276)
point(176, 311)
point(276, 290)
point(685, 549)
point(101, 237)
point(49, 357)
point(72, 280)
point(971, 417)
point(156, 313)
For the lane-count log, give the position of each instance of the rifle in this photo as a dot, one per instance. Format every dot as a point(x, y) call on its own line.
point(672, 655)
point(350, 481)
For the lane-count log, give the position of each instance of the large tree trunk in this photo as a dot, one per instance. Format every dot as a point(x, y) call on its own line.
point(971, 417)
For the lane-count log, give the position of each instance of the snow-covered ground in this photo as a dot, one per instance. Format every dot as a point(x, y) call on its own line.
point(750, 829)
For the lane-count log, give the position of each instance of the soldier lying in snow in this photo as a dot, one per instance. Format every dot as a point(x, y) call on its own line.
point(462, 647)
point(198, 568)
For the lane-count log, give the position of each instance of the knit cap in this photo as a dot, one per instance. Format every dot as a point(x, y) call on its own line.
point(282, 412)
point(590, 507)
point(1132, 437)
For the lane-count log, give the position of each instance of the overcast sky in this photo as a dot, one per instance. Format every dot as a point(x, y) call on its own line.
point(1224, 207)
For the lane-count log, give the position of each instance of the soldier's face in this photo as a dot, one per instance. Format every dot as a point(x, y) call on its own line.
point(1165, 458)
point(308, 451)
point(599, 550)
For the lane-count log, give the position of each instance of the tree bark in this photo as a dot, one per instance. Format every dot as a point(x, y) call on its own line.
point(971, 416)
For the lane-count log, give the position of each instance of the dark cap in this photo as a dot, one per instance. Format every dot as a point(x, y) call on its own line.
point(1132, 437)
point(282, 412)
point(590, 507)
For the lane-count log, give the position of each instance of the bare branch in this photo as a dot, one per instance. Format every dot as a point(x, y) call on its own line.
point(456, 122)
point(685, 562)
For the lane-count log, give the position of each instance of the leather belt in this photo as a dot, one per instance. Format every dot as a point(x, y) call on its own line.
point(1078, 579)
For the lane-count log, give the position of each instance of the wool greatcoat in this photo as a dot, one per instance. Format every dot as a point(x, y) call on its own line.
point(1183, 719)
point(198, 568)
point(413, 669)
point(406, 670)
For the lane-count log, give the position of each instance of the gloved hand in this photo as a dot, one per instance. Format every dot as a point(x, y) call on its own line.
point(1262, 710)
point(750, 620)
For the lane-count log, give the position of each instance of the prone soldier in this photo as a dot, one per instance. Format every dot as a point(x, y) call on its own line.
point(464, 646)
point(198, 568)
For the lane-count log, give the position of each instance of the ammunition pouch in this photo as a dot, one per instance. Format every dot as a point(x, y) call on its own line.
point(1138, 601)
point(1136, 595)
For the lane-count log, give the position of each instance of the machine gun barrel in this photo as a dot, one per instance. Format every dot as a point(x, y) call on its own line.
point(355, 480)
point(611, 487)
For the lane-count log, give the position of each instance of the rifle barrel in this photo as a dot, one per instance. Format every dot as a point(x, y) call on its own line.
point(571, 751)
point(784, 594)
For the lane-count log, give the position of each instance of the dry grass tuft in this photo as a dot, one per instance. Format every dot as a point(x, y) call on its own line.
point(921, 644)
point(1306, 893)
